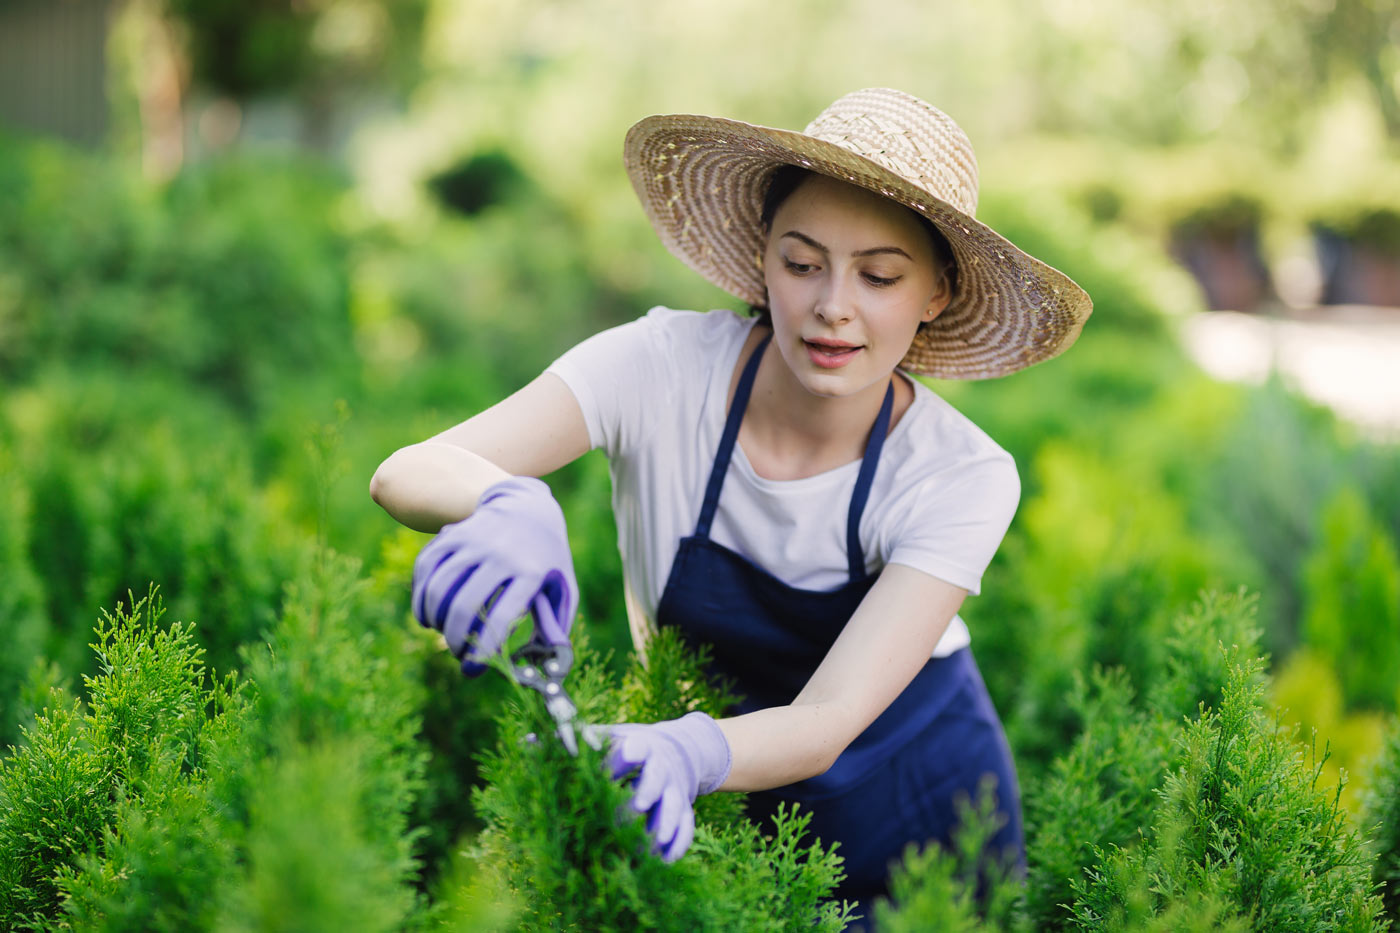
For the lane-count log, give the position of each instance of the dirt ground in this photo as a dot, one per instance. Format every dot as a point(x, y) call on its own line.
point(1344, 356)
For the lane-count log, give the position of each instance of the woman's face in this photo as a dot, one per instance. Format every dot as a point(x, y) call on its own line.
point(851, 276)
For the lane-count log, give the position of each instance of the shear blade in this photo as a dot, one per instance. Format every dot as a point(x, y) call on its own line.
point(567, 736)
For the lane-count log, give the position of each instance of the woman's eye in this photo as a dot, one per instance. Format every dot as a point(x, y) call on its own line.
point(880, 281)
point(798, 268)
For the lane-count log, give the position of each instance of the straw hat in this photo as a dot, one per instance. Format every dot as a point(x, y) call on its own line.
point(702, 181)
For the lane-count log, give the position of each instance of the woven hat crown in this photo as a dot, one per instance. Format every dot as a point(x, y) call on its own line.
point(909, 137)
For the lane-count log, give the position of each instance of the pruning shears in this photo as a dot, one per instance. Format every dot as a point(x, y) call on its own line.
point(542, 664)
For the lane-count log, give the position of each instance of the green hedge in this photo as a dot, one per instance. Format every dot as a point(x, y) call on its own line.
point(232, 279)
point(166, 801)
point(197, 382)
point(1164, 817)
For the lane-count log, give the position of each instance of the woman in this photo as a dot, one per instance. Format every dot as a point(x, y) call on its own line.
point(783, 490)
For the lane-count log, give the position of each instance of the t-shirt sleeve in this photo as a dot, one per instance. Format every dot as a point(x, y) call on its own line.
point(623, 378)
point(955, 520)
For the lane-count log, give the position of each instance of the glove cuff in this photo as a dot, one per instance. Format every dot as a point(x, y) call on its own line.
point(715, 758)
point(528, 485)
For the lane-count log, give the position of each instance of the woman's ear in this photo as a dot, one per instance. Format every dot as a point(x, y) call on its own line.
point(941, 297)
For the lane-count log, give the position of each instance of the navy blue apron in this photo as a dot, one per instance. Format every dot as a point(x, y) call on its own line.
point(898, 781)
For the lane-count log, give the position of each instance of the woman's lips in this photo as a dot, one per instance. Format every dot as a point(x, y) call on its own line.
point(830, 355)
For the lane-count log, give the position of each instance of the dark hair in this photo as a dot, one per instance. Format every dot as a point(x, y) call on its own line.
point(786, 179)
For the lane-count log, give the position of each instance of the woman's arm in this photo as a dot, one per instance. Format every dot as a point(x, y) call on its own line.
point(886, 642)
point(436, 482)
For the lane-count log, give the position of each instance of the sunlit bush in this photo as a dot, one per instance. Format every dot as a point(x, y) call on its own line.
point(1352, 601)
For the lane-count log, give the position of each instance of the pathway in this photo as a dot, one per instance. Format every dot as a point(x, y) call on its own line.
point(1346, 357)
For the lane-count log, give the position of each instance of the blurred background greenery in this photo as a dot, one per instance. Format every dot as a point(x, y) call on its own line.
point(249, 249)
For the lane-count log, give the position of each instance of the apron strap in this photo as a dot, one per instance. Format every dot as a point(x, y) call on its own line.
point(854, 554)
point(728, 438)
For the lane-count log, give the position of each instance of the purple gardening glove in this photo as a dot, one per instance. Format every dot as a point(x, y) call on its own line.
point(675, 761)
point(514, 548)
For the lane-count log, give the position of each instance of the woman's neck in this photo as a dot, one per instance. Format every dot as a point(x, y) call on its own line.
point(789, 433)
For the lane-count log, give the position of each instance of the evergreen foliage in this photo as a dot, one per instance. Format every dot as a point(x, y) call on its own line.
point(672, 682)
point(160, 865)
point(138, 735)
point(120, 515)
point(279, 800)
point(458, 723)
point(163, 350)
point(562, 838)
point(957, 890)
point(1159, 820)
point(1086, 514)
point(1265, 481)
point(318, 856)
point(1242, 824)
point(1382, 817)
point(55, 799)
point(1094, 795)
point(228, 300)
point(21, 603)
point(1352, 601)
point(1218, 633)
point(333, 679)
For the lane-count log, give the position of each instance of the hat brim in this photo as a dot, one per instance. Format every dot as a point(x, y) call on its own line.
point(702, 180)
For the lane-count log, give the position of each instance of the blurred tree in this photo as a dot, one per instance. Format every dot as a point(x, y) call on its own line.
point(320, 55)
point(559, 77)
point(244, 49)
point(479, 181)
point(1361, 37)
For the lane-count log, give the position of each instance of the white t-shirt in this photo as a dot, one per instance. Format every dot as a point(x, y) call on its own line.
point(654, 394)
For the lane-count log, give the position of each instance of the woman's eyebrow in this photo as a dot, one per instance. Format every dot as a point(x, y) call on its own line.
point(874, 250)
point(806, 239)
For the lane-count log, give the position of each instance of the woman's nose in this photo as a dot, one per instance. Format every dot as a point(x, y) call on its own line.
point(833, 303)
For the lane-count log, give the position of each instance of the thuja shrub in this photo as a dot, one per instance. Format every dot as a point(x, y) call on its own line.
point(1093, 574)
point(278, 800)
point(188, 280)
point(159, 863)
point(1242, 825)
point(55, 799)
point(1204, 644)
point(314, 857)
point(1100, 792)
point(669, 683)
point(561, 836)
point(22, 617)
point(1351, 590)
point(336, 673)
point(142, 509)
point(1272, 514)
point(61, 789)
point(456, 717)
point(1097, 794)
point(1382, 815)
point(954, 889)
point(295, 818)
point(1139, 753)
point(938, 890)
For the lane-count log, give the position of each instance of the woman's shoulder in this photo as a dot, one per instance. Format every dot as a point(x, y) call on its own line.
point(691, 345)
point(932, 418)
point(938, 444)
point(720, 324)
point(672, 338)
